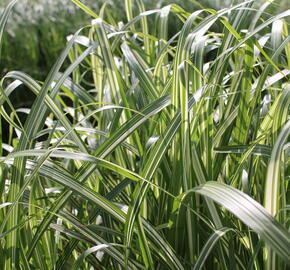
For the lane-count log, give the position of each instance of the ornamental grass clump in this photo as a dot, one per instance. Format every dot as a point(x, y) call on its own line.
point(146, 150)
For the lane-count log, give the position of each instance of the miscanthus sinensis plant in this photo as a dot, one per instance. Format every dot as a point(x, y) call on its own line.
point(152, 151)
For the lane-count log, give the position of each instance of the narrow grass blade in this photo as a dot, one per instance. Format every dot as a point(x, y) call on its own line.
point(3, 20)
point(251, 213)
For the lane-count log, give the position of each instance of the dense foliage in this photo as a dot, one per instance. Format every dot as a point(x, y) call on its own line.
point(145, 149)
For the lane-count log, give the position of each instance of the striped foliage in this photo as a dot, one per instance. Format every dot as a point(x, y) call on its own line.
point(145, 149)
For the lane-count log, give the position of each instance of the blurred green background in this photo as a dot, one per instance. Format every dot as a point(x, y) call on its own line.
point(37, 30)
